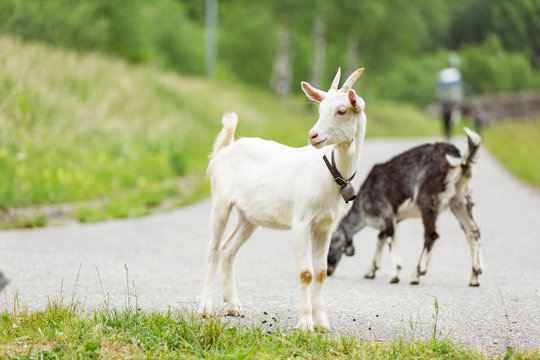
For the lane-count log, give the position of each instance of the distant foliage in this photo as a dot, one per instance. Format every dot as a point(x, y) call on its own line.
point(137, 30)
point(515, 22)
point(402, 43)
point(72, 23)
point(412, 79)
point(247, 40)
point(489, 68)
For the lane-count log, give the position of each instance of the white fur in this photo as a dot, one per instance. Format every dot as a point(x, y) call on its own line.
point(408, 209)
point(281, 187)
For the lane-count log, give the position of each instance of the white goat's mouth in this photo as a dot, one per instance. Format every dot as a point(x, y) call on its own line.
point(316, 144)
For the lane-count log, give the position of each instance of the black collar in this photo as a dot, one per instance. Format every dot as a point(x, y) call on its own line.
point(347, 190)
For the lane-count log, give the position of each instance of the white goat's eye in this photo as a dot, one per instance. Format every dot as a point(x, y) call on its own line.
point(341, 111)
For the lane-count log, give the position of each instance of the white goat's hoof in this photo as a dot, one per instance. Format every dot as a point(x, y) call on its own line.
point(414, 282)
point(321, 323)
point(233, 308)
point(305, 323)
point(394, 280)
point(323, 329)
point(205, 308)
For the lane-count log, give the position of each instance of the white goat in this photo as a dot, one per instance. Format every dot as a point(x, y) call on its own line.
point(276, 186)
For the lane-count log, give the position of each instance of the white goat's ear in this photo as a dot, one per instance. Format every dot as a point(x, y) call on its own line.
point(352, 100)
point(312, 93)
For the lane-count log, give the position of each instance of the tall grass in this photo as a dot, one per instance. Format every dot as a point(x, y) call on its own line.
point(114, 138)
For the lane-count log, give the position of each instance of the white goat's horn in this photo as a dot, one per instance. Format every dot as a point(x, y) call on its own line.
point(351, 79)
point(335, 82)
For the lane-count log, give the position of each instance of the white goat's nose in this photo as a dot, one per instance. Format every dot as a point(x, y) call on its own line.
point(313, 134)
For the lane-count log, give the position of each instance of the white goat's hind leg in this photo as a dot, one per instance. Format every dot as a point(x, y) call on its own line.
point(375, 265)
point(302, 248)
point(229, 249)
point(464, 216)
point(320, 245)
point(218, 221)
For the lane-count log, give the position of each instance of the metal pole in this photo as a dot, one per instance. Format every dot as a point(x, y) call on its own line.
point(211, 37)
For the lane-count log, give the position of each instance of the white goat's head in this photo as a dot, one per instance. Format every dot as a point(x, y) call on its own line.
point(340, 112)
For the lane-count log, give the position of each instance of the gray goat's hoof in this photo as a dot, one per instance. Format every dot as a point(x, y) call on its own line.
point(369, 276)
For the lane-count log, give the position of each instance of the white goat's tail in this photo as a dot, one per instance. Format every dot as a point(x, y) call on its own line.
point(226, 136)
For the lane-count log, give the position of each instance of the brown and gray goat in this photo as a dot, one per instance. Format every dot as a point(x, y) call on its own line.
point(421, 182)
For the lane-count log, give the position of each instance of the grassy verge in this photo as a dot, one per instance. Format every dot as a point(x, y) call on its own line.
point(66, 332)
point(117, 140)
point(390, 120)
point(516, 144)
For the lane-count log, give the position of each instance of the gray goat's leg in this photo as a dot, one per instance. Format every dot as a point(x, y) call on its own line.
point(376, 263)
point(462, 211)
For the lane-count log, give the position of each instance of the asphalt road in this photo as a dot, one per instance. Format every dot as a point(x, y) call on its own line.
point(157, 263)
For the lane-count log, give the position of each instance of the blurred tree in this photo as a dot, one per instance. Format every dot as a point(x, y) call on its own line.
point(280, 82)
point(282, 42)
point(286, 11)
point(515, 22)
point(319, 44)
point(247, 40)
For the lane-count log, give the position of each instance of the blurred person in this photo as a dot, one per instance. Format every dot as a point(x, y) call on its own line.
point(450, 94)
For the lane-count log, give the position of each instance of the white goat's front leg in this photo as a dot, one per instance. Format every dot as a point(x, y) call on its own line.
point(218, 221)
point(376, 263)
point(229, 249)
point(302, 248)
point(320, 245)
point(464, 216)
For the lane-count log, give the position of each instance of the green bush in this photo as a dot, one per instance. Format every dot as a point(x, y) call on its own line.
point(70, 23)
point(137, 30)
point(412, 80)
point(247, 40)
point(489, 68)
point(178, 41)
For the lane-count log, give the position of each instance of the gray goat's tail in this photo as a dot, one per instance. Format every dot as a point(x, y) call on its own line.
point(226, 136)
point(473, 141)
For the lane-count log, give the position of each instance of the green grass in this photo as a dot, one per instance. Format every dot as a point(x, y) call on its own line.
point(390, 120)
point(114, 139)
point(65, 331)
point(516, 144)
